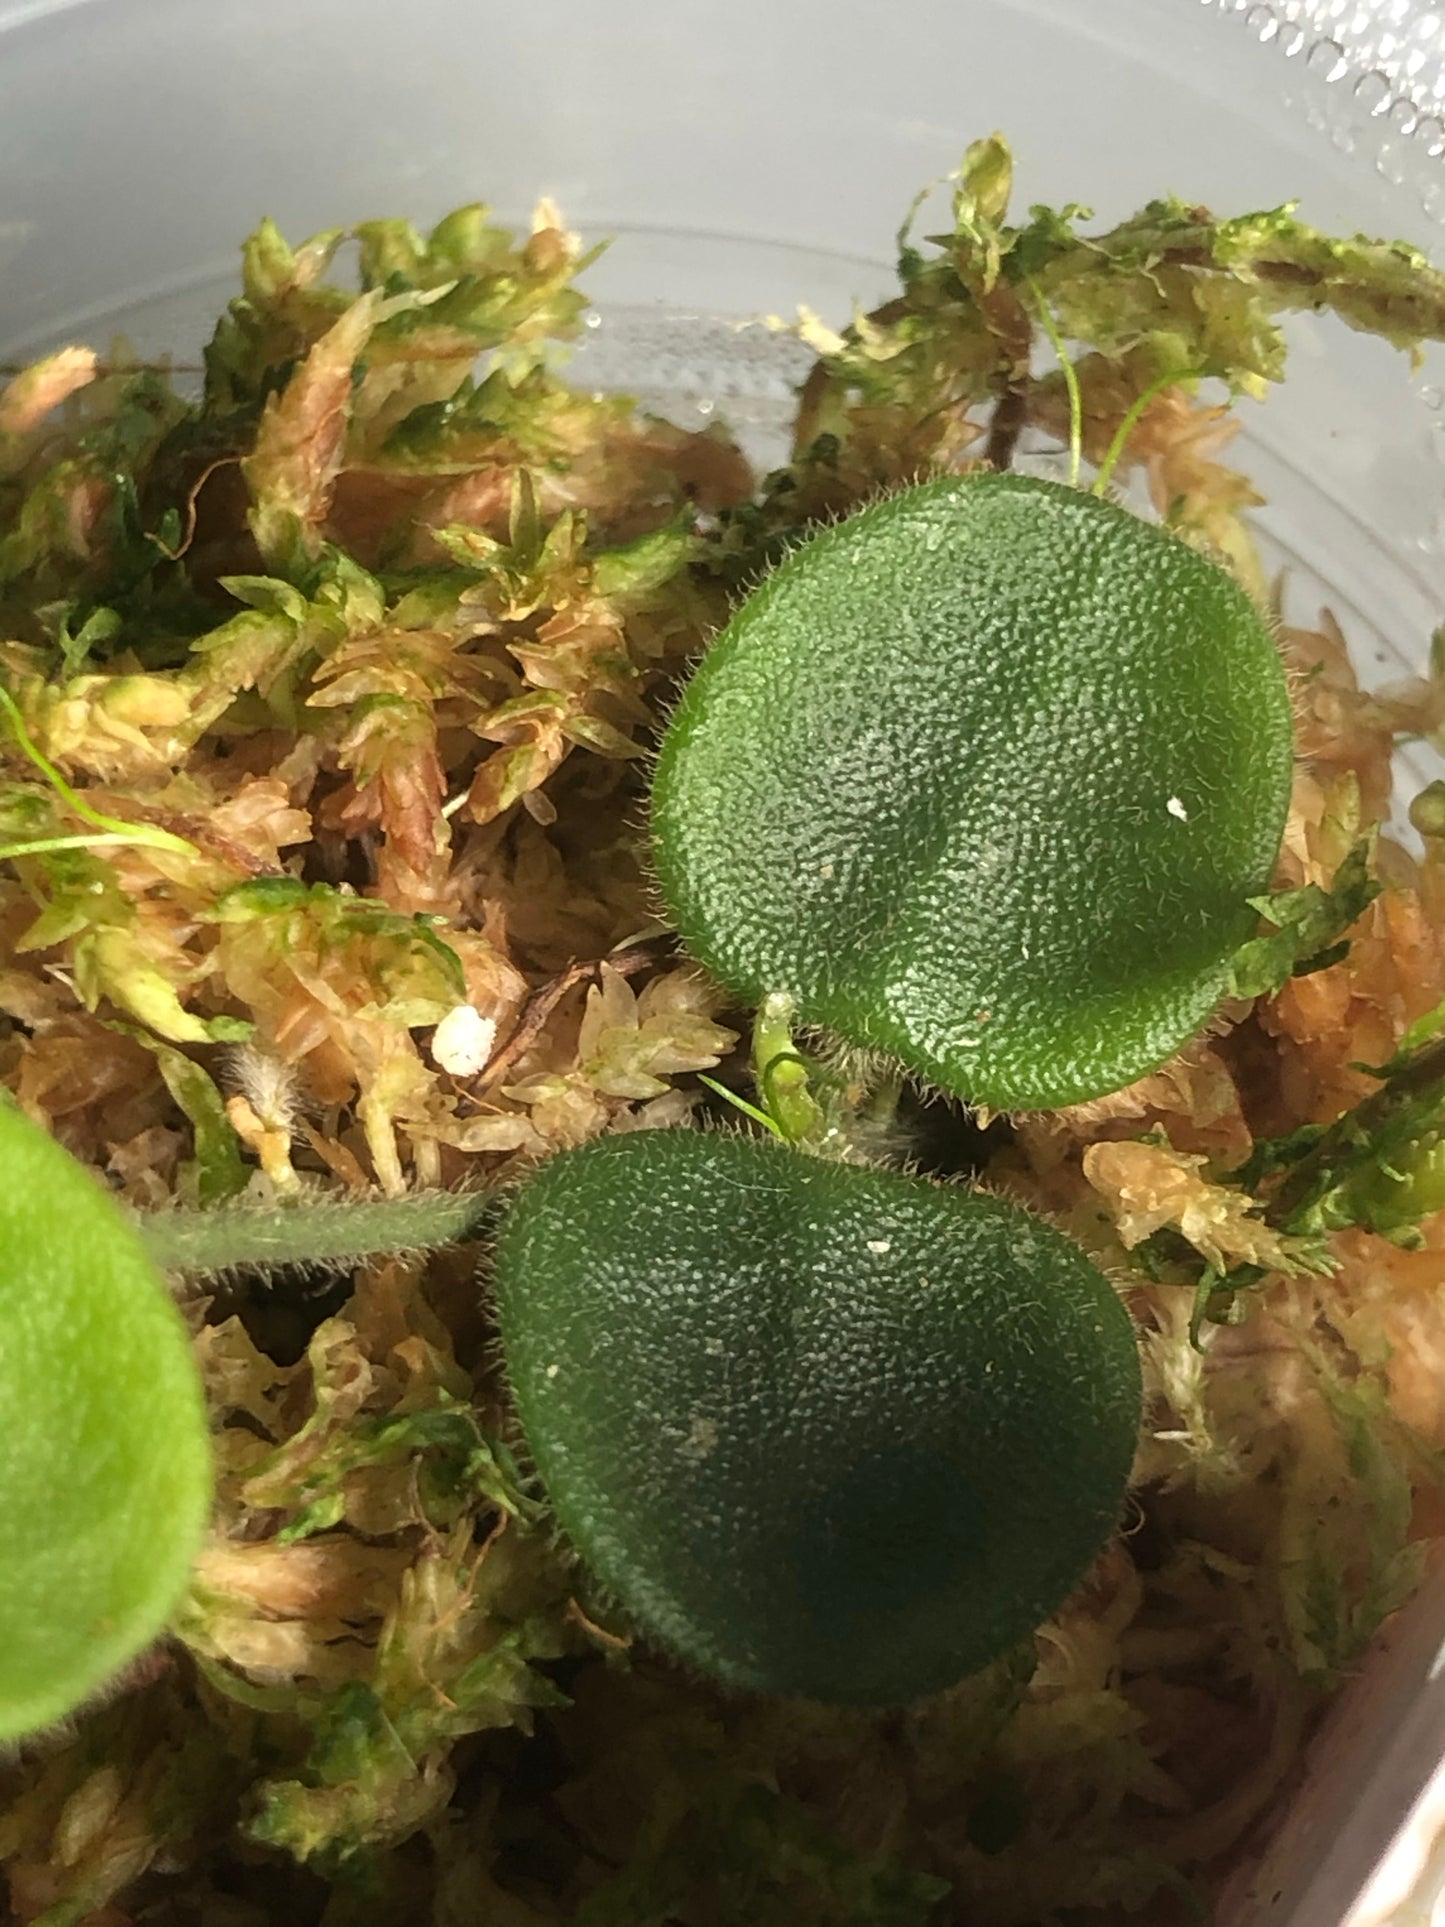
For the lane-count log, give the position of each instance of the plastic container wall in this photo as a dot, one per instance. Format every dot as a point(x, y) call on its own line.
point(746, 159)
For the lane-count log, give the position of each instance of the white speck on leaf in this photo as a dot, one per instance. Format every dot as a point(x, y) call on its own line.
point(1176, 808)
point(879, 1245)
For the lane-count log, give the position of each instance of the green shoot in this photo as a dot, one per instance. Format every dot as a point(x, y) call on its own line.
point(112, 831)
point(758, 1116)
point(782, 1074)
point(1131, 421)
point(1071, 381)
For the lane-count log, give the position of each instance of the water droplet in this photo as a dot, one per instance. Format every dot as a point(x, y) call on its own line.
point(1390, 161)
point(1426, 28)
point(705, 407)
point(1342, 138)
point(1432, 199)
point(594, 321)
point(1431, 134)
point(1431, 395)
point(1327, 58)
point(1294, 39)
point(1403, 115)
point(1372, 91)
point(1263, 22)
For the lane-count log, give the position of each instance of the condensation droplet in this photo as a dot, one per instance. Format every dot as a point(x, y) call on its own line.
point(1431, 134)
point(1327, 58)
point(706, 407)
point(1372, 91)
point(1263, 22)
point(1432, 199)
point(1431, 395)
point(1390, 161)
point(1292, 42)
point(1403, 115)
point(594, 321)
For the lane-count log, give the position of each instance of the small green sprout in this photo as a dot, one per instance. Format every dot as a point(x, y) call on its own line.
point(106, 832)
point(984, 777)
point(824, 1430)
point(105, 1477)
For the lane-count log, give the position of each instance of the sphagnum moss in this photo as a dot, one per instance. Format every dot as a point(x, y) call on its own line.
point(399, 776)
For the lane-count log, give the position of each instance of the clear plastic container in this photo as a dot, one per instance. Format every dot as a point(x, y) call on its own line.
point(749, 157)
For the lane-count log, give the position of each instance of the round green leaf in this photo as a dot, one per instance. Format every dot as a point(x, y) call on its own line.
point(105, 1471)
point(983, 778)
point(824, 1430)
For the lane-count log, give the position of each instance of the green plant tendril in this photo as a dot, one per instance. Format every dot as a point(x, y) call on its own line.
point(114, 832)
point(1071, 382)
point(1131, 421)
point(753, 1111)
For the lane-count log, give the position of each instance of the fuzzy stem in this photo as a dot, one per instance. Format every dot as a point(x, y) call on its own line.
point(326, 1232)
